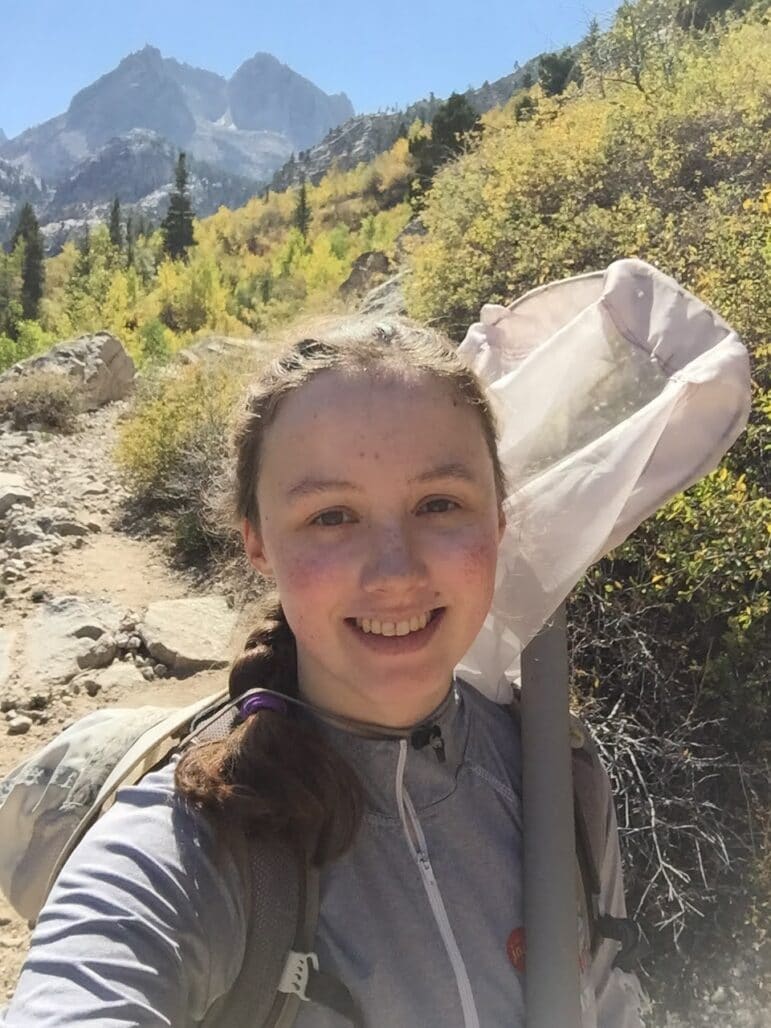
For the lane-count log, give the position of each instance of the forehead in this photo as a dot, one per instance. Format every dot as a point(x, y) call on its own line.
point(340, 419)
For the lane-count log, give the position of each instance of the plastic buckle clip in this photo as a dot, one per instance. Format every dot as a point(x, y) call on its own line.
point(297, 972)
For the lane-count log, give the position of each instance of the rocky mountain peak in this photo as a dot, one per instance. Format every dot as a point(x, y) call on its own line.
point(148, 57)
point(266, 95)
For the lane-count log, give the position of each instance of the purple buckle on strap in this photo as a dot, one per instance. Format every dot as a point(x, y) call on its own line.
point(263, 701)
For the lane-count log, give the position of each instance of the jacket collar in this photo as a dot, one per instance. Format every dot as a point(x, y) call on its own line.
point(436, 749)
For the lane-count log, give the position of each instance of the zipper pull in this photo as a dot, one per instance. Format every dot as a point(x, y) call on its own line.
point(430, 735)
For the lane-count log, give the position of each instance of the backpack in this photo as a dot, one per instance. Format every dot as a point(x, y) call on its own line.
point(48, 803)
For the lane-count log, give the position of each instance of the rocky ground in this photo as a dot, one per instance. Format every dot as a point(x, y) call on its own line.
point(89, 616)
point(92, 616)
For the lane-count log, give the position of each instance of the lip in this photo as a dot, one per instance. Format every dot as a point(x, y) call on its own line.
point(398, 644)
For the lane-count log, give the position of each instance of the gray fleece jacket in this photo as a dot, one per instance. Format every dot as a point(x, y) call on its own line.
point(148, 922)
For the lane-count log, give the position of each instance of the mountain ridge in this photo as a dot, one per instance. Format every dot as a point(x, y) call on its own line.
point(186, 105)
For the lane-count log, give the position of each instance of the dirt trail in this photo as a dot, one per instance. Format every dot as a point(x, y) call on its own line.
point(132, 573)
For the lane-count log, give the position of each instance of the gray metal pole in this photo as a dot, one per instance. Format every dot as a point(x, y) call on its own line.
point(552, 984)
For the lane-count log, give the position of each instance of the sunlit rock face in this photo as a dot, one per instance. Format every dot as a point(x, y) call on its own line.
point(267, 95)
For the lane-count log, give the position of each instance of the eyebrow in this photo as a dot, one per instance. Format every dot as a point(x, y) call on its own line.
point(314, 486)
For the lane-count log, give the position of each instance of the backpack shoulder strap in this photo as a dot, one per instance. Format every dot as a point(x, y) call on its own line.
point(280, 969)
point(301, 980)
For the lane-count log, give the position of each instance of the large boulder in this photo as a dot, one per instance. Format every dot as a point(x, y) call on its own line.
point(98, 363)
point(386, 300)
point(189, 635)
point(66, 636)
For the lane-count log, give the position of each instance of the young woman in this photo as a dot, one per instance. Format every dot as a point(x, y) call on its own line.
point(368, 489)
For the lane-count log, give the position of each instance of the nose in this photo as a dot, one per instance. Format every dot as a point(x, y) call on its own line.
point(394, 561)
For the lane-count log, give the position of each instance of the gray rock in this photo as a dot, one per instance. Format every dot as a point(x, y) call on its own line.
point(20, 725)
point(25, 533)
point(216, 347)
point(101, 654)
point(189, 635)
point(13, 492)
point(62, 633)
point(148, 674)
point(71, 527)
point(120, 676)
point(386, 300)
point(98, 364)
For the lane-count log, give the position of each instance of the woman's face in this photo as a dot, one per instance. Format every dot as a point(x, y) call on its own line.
point(377, 511)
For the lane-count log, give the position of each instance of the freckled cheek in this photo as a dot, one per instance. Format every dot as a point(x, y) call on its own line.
point(470, 556)
point(310, 584)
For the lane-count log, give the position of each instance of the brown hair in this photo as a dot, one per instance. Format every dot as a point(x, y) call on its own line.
point(275, 773)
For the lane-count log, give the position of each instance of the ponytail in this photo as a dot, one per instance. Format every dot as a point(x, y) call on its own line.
point(275, 774)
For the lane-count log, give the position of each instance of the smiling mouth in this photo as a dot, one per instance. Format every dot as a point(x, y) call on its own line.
point(375, 626)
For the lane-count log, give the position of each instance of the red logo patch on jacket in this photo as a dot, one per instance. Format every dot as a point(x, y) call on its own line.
point(515, 947)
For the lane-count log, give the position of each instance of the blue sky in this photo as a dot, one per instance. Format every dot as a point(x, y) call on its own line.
point(380, 55)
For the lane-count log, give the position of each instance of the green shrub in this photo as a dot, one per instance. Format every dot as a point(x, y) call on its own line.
point(40, 398)
point(154, 343)
point(171, 449)
point(31, 339)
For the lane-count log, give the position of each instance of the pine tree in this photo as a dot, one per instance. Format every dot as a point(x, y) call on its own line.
point(116, 232)
point(129, 240)
point(177, 226)
point(302, 212)
point(454, 120)
point(556, 70)
point(32, 272)
point(82, 267)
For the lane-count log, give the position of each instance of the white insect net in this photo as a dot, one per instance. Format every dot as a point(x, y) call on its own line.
point(614, 391)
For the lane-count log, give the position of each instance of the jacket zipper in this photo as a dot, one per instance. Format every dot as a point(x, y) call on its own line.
point(417, 843)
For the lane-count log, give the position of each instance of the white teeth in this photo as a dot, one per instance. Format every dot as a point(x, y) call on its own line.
point(391, 628)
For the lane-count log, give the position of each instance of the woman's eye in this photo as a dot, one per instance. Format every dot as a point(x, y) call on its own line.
point(439, 505)
point(330, 518)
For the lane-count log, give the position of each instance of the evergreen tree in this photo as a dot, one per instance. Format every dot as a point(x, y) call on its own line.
point(116, 232)
point(10, 294)
point(452, 123)
point(177, 226)
point(32, 272)
point(82, 267)
point(129, 240)
point(555, 71)
point(302, 212)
